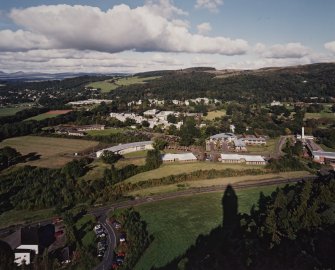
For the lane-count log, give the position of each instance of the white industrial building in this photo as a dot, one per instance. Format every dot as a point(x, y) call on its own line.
point(183, 157)
point(90, 101)
point(227, 137)
point(128, 148)
point(246, 159)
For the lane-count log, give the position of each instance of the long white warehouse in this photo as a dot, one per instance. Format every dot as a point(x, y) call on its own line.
point(128, 148)
point(247, 159)
point(183, 157)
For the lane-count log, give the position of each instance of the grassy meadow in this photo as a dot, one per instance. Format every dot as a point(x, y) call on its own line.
point(215, 114)
point(176, 223)
point(216, 182)
point(180, 167)
point(105, 132)
point(264, 149)
point(11, 110)
point(54, 152)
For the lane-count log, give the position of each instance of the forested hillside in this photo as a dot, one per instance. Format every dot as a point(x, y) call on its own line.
point(284, 84)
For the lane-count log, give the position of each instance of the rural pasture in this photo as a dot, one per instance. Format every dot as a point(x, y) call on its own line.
point(176, 223)
point(49, 114)
point(53, 152)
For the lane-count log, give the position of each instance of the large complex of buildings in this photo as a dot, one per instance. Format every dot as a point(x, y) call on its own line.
point(229, 141)
point(154, 117)
point(128, 148)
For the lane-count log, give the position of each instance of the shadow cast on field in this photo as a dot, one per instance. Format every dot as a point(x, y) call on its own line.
point(221, 246)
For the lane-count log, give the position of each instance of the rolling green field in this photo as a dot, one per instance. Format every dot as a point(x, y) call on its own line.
point(179, 167)
point(216, 182)
point(6, 111)
point(108, 85)
point(55, 152)
point(175, 224)
point(214, 114)
point(23, 216)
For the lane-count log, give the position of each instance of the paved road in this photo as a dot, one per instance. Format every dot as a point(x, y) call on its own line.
point(278, 150)
point(106, 263)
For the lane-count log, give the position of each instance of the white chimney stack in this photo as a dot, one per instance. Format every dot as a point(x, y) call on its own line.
point(302, 133)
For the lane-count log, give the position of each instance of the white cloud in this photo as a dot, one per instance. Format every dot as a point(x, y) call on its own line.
point(165, 8)
point(330, 46)
point(21, 40)
point(211, 5)
point(118, 29)
point(204, 28)
point(289, 50)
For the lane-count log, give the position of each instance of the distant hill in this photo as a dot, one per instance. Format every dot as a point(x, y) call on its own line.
point(262, 85)
point(37, 76)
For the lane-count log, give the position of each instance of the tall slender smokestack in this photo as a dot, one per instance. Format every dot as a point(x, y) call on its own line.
point(302, 133)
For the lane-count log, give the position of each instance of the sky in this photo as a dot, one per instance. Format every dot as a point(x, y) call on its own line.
point(140, 35)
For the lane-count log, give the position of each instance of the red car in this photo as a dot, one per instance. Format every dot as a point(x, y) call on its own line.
point(59, 233)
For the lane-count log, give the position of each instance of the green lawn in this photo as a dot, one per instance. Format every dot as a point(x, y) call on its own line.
point(85, 228)
point(42, 116)
point(23, 216)
point(175, 224)
point(105, 132)
point(264, 149)
point(6, 111)
point(136, 154)
point(179, 167)
point(319, 115)
point(110, 85)
point(216, 182)
point(214, 114)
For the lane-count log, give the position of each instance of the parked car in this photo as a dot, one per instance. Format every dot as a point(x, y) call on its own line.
point(59, 233)
point(122, 237)
point(101, 253)
point(116, 225)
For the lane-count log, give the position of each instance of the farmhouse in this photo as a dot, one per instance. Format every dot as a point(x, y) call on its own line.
point(183, 157)
point(246, 159)
point(128, 148)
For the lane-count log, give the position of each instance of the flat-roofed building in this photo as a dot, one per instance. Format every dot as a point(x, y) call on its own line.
point(182, 157)
point(246, 159)
point(127, 148)
point(323, 157)
point(253, 140)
